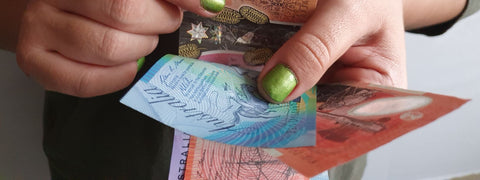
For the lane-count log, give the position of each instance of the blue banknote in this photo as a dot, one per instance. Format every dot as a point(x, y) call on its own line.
point(221, 103)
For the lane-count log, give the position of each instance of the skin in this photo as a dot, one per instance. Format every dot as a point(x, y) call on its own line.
point(355, 41)
point(89, 48)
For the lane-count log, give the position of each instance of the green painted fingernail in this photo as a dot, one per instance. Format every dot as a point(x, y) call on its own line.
point(213, 5)
point(279, 82)
point(140, 63)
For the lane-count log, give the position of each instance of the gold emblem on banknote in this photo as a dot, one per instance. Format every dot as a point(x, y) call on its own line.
point(189, 50)
point(253, 15)
point(228, 16)
point(257, 56)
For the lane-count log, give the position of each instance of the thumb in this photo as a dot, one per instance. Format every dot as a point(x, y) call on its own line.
point(299, 64)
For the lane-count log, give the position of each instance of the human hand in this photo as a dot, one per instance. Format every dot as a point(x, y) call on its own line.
point(343, 41)
point(89, 48)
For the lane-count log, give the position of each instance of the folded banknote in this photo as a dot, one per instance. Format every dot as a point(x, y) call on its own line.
point(221, 103)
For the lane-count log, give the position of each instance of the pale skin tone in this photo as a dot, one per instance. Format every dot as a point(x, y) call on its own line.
point(89, 48)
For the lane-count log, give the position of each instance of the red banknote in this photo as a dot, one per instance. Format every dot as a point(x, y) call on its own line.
point(213, 160)
point(352, 120)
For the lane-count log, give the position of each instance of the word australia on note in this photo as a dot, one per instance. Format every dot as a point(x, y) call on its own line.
point(221, 103)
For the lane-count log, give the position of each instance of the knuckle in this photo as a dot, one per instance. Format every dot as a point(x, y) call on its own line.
point(313, 47)
point(125, 12)
point(110, 45)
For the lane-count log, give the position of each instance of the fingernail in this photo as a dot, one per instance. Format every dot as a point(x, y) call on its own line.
point(279, 82)
point(213, 5)
point(140, 63)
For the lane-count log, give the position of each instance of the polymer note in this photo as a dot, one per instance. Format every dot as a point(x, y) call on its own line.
point(245, 33)
point(357, 118)
point(221, 103)
point(243, 44)
point(213, 160)
point(178, 160)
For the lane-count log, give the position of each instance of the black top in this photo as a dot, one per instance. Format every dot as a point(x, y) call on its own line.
point(100, 138)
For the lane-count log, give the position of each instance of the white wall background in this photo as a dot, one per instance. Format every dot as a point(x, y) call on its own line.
point(448, 147)
point(21, 104)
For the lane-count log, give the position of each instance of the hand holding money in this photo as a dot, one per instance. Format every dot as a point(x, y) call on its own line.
point(345, 41)
point(341, 41)
point(89, 48)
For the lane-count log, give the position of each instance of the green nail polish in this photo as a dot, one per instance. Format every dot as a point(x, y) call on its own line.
point(140, 63)
point(213, 5)
point(279, 82)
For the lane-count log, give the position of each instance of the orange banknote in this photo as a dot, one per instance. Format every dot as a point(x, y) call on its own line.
point(352, 120)
point(213, 160)
point(262, 12)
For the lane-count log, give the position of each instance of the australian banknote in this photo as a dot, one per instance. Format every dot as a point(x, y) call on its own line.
point(245, 33)
point(178, 160)
point(221, 103)
point(213, 160)
point(355, 119)
point(243, 44)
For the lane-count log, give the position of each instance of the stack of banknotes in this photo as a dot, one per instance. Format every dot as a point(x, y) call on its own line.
point(224, 128)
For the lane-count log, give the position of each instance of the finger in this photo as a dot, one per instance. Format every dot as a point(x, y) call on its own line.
point(57, 73)
point(300, 62)
point(89, 42)
point(135, 16)
point(201, 7)
point(380, 61)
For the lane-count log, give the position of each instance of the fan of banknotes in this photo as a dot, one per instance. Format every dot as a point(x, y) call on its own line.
point(225, 130)
point(231, 126)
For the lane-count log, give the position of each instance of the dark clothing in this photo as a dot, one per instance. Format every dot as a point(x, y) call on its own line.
point(100, 138)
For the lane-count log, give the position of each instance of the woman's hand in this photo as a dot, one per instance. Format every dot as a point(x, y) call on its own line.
point(344, 40)
point(87, 48)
